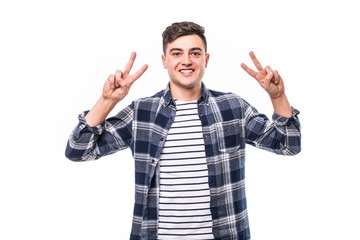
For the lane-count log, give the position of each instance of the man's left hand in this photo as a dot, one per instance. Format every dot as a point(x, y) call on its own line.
point(269, 79)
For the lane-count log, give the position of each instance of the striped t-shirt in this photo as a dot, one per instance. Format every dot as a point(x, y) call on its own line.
point(184, 204)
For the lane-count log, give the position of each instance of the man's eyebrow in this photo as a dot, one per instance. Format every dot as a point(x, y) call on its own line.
point(176, 49)
point(196, 49)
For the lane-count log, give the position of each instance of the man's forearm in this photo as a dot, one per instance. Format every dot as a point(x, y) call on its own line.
point(99, 112)
point(282, 106)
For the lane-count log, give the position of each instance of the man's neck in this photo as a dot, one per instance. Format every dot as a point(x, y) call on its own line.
point(185, 94)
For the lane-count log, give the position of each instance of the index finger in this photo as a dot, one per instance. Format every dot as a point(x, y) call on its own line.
point(255, 61)
point(249, 70)
point(130, 63)
point(140, 72)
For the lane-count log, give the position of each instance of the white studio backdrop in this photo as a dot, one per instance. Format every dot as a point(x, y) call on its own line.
point(56, 55)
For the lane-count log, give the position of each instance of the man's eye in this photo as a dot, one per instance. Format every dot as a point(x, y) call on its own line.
point(196, 53)
point(176, 54)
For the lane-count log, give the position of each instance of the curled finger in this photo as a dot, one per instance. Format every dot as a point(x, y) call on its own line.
point(111, 80)
point(276, 77)
point(119, 75)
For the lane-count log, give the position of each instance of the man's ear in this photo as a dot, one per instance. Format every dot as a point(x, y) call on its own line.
point(207, 59)
point(163, 58)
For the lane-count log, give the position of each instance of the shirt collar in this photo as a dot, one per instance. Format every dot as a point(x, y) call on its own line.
point(168, 99)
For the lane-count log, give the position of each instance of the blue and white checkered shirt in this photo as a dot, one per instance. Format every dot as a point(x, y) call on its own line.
point(228, 123)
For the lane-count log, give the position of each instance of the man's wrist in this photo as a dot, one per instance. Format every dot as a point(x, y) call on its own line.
point(281, 90)
point(107, 104)
point(278, 96)
point(282, 106)
point(100, 111)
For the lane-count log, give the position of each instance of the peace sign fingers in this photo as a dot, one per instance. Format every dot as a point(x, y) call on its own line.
point(131, 78)
point(117, 85)
point(257, 75)
point(268, 79)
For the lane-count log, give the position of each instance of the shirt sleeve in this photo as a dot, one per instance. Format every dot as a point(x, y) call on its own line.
point(281, 136)
point(90, 143)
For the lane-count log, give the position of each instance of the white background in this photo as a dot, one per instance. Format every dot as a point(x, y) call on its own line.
point(55, 56)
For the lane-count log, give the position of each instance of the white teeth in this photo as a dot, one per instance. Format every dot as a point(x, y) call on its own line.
point(186, 71)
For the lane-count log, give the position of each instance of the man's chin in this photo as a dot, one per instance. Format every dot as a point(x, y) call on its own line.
point(187, 86)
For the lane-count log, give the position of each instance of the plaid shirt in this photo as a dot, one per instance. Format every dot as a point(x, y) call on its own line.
point(228, 123)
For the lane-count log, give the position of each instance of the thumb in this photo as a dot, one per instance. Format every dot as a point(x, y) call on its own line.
point(122, 83)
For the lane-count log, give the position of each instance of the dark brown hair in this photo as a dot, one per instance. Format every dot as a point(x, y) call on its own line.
point(180, 29)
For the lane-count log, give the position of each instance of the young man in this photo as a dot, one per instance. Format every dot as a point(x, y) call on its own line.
point(188, 142)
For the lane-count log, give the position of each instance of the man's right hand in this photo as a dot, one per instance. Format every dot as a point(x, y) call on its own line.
point(115, 89)
point(117, 85)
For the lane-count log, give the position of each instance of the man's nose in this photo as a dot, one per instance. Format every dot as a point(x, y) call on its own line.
point(186, 59)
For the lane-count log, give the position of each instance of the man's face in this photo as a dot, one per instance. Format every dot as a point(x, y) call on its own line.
point(186, 61)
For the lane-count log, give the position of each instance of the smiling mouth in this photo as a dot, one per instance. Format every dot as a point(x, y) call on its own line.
point(187, 70)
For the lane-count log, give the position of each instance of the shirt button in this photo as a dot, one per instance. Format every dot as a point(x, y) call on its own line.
point(170, 117)
point(161, 139)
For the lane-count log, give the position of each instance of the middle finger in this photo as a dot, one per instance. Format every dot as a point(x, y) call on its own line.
point(256, 61)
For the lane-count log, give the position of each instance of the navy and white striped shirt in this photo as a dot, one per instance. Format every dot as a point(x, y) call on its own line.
point(184, 199)
point(228, 123)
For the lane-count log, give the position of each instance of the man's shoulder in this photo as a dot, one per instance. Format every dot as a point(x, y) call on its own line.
point(218, 96)
point(153, 98)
